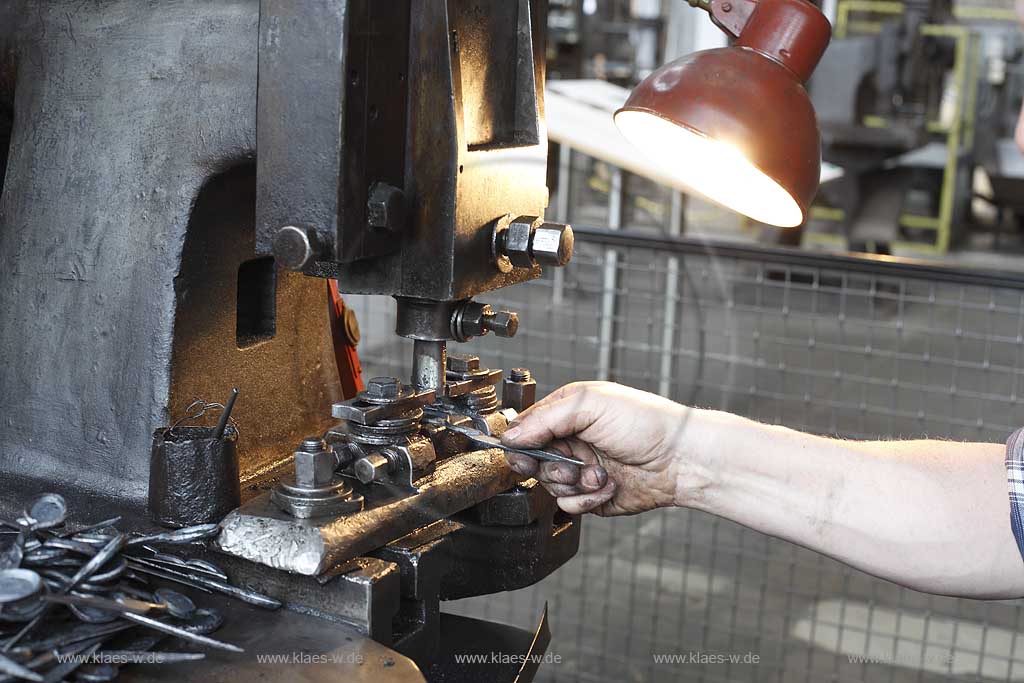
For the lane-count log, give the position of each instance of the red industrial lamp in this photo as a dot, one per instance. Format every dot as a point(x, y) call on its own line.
point(735, 124)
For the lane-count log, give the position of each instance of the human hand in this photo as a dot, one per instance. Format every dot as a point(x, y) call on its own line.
point(628, 437)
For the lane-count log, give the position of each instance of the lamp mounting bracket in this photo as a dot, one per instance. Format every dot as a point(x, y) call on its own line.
point(731, 15)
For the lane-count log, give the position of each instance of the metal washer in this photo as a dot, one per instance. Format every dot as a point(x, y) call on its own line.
point(337, 498)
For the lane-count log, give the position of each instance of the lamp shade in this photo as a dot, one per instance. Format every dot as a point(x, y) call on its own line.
point(736, 124)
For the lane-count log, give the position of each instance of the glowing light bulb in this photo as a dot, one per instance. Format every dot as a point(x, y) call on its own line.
point(712, 168)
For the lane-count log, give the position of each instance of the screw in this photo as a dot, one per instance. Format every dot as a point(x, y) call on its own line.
point(313, 444)
point(519, 375)
point(727, 7)
point(384, 387)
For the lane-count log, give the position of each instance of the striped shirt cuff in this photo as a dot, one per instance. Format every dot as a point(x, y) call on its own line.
point(1015, 480)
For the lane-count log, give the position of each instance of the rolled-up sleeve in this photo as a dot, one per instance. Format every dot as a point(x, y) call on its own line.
point(1015, 481)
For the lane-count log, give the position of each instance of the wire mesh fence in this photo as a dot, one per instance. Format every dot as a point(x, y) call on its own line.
point(824, 345)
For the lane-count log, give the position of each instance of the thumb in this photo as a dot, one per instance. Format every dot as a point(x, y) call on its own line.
point(555, 420)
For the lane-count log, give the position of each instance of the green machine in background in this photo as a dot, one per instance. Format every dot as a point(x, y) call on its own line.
point(912, 99)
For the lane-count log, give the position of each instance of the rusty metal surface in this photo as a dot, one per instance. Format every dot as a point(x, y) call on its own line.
point(472, 150)
point(332, 112)
point(287, 381)
point(126, 211)
point(193, 477)
point(130, 281)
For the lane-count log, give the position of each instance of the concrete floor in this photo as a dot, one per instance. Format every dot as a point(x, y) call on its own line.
point(824, 351)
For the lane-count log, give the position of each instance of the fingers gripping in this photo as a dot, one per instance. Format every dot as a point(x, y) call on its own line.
point(564, 417)
point(587, 502)
point(564, 413)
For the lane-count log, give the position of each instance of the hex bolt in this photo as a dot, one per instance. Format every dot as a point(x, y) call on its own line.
point(502, 323)
point(314, 464)
point(516, 241)
point(474, 319)
point(527, 241)
point(552, 244)
point(458, 362)
point(385, 207)
point(383, 387)
point(295, 248)
point(374, 467)
point(519, 390)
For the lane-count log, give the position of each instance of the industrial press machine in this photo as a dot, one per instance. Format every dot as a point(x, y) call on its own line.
point(181, 178)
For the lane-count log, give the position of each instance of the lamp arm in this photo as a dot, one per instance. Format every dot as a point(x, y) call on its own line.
point(729, 15)
point(793, 33)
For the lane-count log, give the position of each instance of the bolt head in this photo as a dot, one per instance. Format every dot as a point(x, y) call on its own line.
point(472, 320)
point(503, 323)
point(384, 387)
point(552, 244)
point(517, 241)
point(458, 362)
point(385, 207)
point(373, 467)
point(314, 470)
point(519, 393)
point(295, 248)
point(351, 325)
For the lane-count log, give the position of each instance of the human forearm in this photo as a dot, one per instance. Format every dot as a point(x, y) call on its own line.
point(931, 515)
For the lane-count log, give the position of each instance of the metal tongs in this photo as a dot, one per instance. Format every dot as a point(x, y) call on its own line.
point(482, 440)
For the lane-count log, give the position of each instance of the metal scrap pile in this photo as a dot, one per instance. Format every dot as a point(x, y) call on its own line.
point(76, 603)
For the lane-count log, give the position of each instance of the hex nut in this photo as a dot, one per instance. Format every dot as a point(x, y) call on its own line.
point(471, 319)
point(314, 470)
point(517, 241)
point(519, 394)
point(503, 323)
point(385, 207)
point(552, 244)
point(460, 362)
point(383, 387)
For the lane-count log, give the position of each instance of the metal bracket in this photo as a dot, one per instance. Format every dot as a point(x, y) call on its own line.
point(366, 413)
point(462, 386)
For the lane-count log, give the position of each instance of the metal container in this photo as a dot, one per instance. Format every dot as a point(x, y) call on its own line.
point(193, 477)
